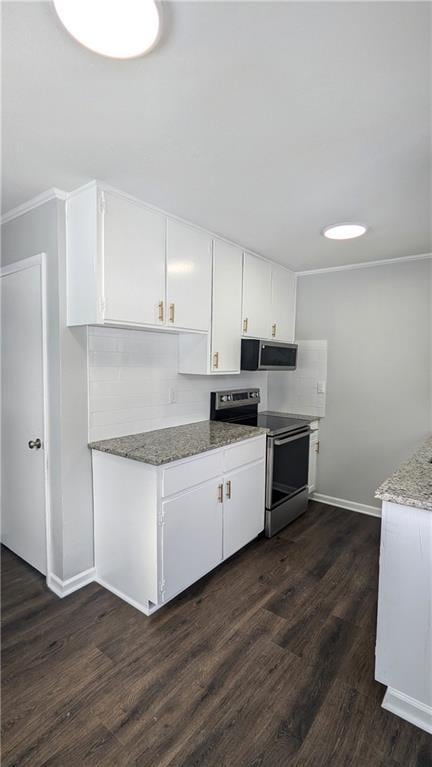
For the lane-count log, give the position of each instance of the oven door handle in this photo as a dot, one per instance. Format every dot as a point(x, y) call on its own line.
point(279, 442)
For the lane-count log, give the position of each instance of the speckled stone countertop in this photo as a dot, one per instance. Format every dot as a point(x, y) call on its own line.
point(172, 444)
point(411, 484)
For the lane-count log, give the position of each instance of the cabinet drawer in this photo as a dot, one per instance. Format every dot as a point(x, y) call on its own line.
point(244, 452)
point(190, 473)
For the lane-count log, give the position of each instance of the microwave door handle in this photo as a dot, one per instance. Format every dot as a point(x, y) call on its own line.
point(279, 442)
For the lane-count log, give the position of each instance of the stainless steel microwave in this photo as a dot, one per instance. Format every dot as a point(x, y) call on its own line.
point(267, 355)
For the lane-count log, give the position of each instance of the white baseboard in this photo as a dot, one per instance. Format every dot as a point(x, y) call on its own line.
point(138, 605)
point(410, 709)
point(64, 588)
point(343, 503)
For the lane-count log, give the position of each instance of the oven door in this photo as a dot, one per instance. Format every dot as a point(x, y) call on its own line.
point(287, 466)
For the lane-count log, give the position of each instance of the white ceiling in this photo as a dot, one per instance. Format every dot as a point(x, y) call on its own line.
point(260, 121)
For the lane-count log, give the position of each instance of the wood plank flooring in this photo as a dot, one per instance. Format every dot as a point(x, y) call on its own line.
point(266, 662)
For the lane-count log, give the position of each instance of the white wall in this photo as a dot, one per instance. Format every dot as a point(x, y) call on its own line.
point(131, 375)
point(42, 230)
point(377, 321)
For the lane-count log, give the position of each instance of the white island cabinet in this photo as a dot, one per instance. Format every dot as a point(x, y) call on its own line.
point(158, 529)
point(403, 654)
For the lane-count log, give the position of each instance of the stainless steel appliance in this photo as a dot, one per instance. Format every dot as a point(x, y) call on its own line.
point(267, 355)
point(287, 453)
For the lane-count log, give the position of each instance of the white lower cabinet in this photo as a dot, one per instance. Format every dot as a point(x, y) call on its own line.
point(158, 529)
point(191, 537)
point(243, 507)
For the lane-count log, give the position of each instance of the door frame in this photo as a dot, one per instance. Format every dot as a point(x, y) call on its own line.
point(27, 263)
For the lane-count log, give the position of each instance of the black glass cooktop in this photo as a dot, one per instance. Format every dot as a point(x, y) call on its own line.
point(279, 423)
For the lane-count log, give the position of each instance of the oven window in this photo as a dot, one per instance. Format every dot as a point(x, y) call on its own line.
point(277, 356)
point(290, 467)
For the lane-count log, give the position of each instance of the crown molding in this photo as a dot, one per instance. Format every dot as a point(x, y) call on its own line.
point(35, 202)
point(365, 264)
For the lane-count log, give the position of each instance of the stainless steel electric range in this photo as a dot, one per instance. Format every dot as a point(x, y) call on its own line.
point(287, 453)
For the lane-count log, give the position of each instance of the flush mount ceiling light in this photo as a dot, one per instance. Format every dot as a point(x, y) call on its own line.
point(121, 29)
point(344, 231)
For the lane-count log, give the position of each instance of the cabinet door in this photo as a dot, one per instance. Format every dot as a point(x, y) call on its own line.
point(189, 254)
point(283, 303)
point(313, 454)
point(226, 313)
point(256, 297)
point(244, 506)
point(133, 261)
point(191, 536)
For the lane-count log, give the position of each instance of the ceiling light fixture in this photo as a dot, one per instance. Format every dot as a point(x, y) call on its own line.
point(121, 29)
point(344, 231)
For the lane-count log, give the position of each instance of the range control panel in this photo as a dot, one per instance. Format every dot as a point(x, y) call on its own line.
point(235, 397)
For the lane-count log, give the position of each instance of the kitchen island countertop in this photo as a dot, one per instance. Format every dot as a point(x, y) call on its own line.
point(411, 484)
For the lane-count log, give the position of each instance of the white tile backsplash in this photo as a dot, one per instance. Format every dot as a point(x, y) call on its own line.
point(131, 376)
point(297, 391)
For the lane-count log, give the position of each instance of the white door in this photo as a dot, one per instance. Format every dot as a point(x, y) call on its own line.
point(256, 297)
point(22, 450)
point(283, 303)
point(227, 307)
point(244, 507)
point(189, 262)
point(191, 536)
point(134, 262)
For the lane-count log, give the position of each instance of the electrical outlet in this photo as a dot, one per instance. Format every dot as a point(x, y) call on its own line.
point(321, 387)
point(172, 396)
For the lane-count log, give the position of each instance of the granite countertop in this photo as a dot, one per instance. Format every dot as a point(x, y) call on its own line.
point(411, 484)
point(176, 442)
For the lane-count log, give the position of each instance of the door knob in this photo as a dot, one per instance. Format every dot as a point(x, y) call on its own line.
point(35, 444)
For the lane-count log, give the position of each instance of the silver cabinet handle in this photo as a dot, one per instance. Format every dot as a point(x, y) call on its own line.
point(228, 489)
point(35, 444)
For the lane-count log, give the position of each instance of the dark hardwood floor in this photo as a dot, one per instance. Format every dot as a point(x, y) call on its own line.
point(266, 662)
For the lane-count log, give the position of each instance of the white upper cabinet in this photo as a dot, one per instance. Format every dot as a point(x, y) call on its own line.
point(188, 276)
point(133, 266)
point(226, 316)
point(134, 262)
point(283, 303)
point(256, 297)
point(122, 271)
point(269, 294)
point(219, 352)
